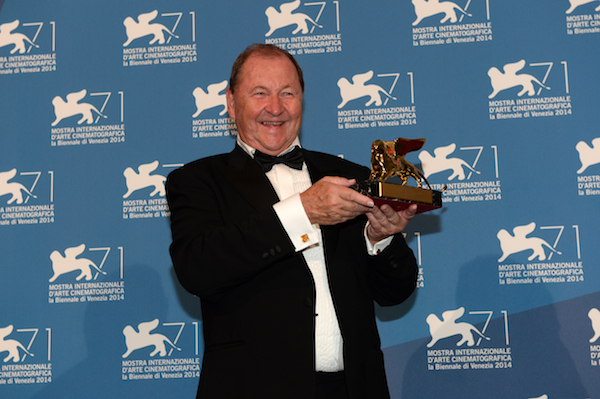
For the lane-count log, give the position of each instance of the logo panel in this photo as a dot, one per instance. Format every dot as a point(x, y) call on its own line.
point(594, 315)
point(210, 118)
point(153, 39)
point(305, 28)
point(84, 119)
point(581, 18)
point(369, 100)
point(23, 351)
point(27, 47)
point(471, 172)
point(520, 90)
point(589, 156)
point(156, 350)
point(79, 275)
point(446, 22)
point(552, 254)
point(459, 345)
point(145, 194)
point(26, 197)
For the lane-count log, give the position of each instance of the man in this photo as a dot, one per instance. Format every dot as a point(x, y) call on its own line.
point(284, 261)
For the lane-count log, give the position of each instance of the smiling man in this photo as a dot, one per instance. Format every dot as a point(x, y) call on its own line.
point(265, 100)
point(286, 258)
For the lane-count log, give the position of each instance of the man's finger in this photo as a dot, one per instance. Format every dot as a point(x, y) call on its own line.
point(355, 196)
point(409, 212)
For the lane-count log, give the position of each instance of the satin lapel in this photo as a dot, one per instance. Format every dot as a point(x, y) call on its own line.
point(248, 178)
point(318, 169)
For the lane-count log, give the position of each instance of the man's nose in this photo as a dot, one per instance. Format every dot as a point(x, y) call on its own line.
point(274, 106)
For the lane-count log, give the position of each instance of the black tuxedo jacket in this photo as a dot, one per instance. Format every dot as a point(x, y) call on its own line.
point(257, 294)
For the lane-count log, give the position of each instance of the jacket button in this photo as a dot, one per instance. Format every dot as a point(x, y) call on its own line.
point(308, 302)
point(272, 251)
point(265, 255)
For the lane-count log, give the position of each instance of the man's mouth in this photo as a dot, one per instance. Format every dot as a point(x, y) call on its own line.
point(273, 123)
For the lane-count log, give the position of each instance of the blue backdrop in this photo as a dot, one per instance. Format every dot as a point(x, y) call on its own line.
point(99, 101)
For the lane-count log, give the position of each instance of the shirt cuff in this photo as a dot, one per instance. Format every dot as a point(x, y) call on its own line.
point(379, 245)
point(295, 222)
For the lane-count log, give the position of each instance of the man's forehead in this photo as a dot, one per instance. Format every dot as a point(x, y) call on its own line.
point(266, 58)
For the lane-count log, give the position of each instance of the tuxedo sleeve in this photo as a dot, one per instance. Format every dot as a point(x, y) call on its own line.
point(389, 277)
point(393, 273)
point(220, 240)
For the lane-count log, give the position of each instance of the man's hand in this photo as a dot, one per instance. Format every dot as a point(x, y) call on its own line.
point(384, 221)
point(331, 201)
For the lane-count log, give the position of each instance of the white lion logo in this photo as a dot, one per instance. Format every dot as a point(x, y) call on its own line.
point(576, 3)
point(594, 315)
point(440, 162)
point(137, 181)
point(448, 327)
point(11, 346)
point(69, 263)
point(137, 340)
point(278, 20)
point(15, 189)
point(71, 107)
point(429, 8)
point(358, 88)
point(135, 30)
point(520, 242)
point(588, 155)
point(509, 79)
point(210, 98)
point(7, 37)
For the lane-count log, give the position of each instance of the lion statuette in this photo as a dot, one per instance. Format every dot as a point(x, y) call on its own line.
point(387, 160)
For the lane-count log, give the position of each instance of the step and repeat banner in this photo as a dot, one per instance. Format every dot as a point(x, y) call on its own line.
point(99, 101)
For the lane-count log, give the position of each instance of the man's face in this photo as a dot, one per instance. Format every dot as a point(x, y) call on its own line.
point(267, 104)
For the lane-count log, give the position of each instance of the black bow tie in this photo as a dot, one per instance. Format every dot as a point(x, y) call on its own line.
point(293, 159)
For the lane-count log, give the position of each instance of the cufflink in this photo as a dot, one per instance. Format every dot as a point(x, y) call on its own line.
point(305, 238)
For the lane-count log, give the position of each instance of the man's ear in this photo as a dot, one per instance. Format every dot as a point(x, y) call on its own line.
point(230, 103)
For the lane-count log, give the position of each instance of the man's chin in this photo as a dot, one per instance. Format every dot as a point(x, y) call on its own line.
point(274, 148)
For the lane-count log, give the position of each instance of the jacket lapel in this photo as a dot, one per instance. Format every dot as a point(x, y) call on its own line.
point(317, 168)
point(248, 178)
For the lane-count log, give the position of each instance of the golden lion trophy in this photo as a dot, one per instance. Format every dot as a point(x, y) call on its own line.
point(387, 160)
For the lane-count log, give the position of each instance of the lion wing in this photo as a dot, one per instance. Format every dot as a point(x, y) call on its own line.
point(362, 78)
point(217, 87)
point(74, 98)
point(146, 168)
point(146, 327)
point(452, 315)
point(74, 252)
point(404, 146)
point(6, 176)
point(513, 68)
point(6, 331)
point(147, 17)
point(8, 27)
point(287, 8)
point(443, 152)
point(523, 231)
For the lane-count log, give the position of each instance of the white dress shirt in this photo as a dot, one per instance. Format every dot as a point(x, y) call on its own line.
point(306, 238)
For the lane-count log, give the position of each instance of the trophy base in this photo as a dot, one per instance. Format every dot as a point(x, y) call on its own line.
point(400, 197)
